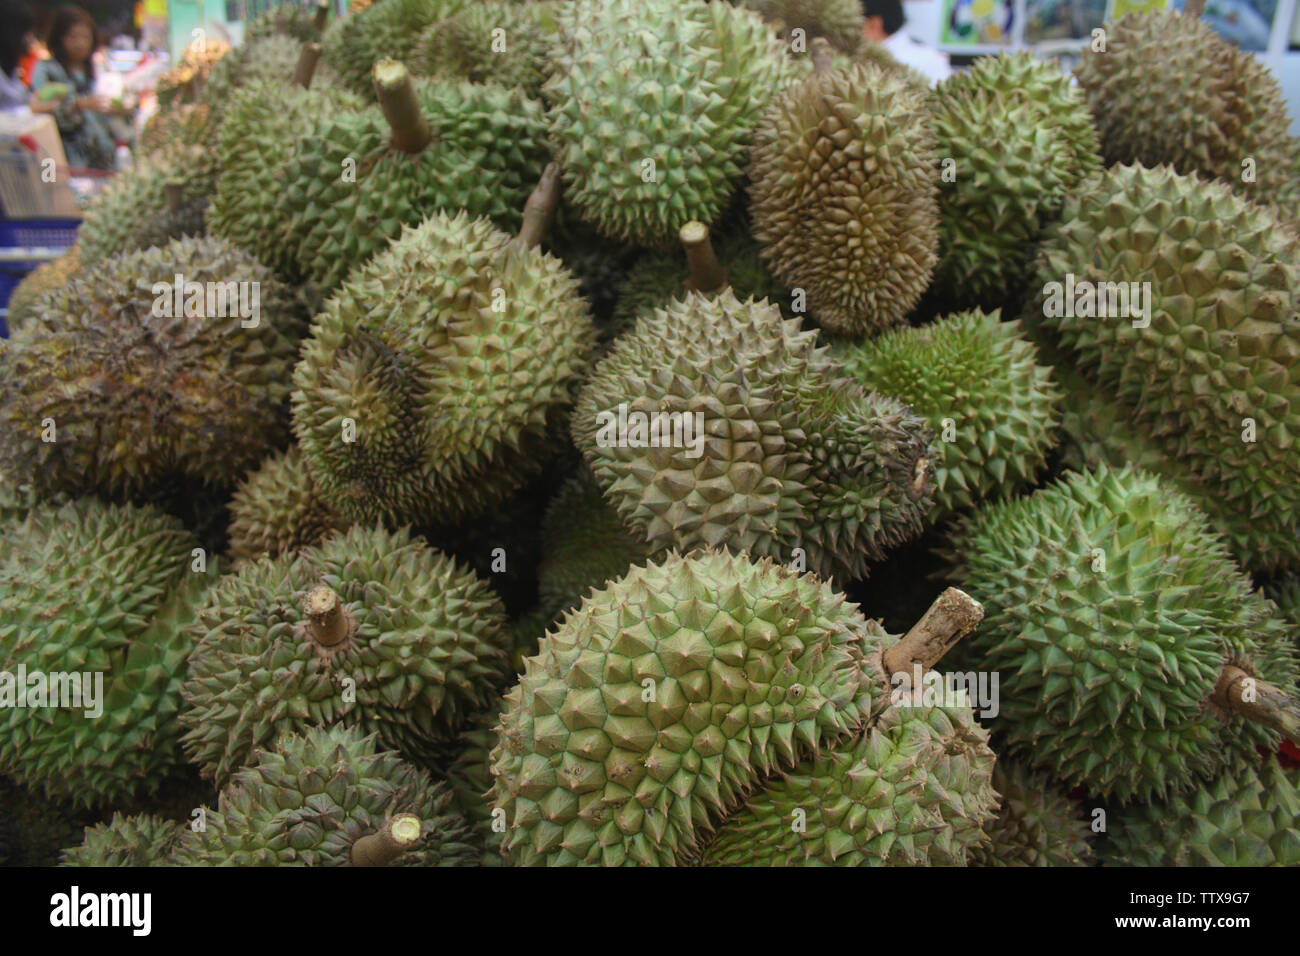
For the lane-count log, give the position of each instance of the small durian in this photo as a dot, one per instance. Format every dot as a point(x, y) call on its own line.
point(490, 41)
point(277, 509)
point(142, 839)
point(40, 282)
point(1037, 825)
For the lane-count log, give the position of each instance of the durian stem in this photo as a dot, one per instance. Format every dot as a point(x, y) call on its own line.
point(396, 92)
point(1269, 705)
point(1193, 8)
point(707, 274)
point(328, 622)
point(306, 66)
point(321, 15)
point(175, 195)
point(388, 843)
point(952, 616)
point(540, 208)
point(822, 56)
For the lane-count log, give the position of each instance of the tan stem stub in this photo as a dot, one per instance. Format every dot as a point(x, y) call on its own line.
point(952, 616)
point(329, 623)
point(707, 273)
point(305, 69)
point(388, 842)
point(396, 93)
point(1256, 700)
point(822, 56)
point(321, 15)
point(539, 210)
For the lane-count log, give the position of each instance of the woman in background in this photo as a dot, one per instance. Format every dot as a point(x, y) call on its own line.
point(18, 21)
point(65, 86)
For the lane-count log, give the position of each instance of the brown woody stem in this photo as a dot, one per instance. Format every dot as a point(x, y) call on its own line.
point(952, 616)
point(396, 92)
point(306, 66)
point(539, 210)
point(1256, 700)
point(822, 56)
point(387, 843)
point(328, 622)
point(707, 274)
point(321, 15)
point(175, 195)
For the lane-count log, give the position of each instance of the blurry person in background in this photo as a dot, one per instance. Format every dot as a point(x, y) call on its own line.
point(65, 86)
point(884, 25)
point(14, 41)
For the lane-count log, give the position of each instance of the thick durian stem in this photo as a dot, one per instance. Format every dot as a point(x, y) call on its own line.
point(328, 622)
point(175, 195)
point(952, 616)
point(396, 92)
point(707, 274)
point(1268, 705)
point(822, 56)
point(321, 15)
point(388, 843)
point(1194, 8)
point(540, 208)
point(306, 66)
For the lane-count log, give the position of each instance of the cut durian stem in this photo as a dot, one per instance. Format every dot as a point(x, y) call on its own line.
point(822, 56)
point(388, 843)
point(1256, 700)
point(540, 208)
point(306, 66)
point(320, 16)
point(328, 622)
point(396, 93)
point(175, 194)
point(952, 616)
point(707, 273)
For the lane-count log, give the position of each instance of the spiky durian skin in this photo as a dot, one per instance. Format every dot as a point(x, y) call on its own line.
point(136, 396)
point(247, 193)
point(454, 353)
point(346, 194)
point(187, 124)
point(1285, 593)
point(1247, 816)
point(793, 454)
point(310, 797)
point(980, 374)
point(1169, 89)
point(277, 509)
point(467, 45)
point(843, 196)
point(839, 21)
point(751, 665)
point(1222, 345)
point(1098, 589)
point(1037, 825)
point(470, 779)
point(270, 60)
point(913, 790)
point(653, 108)
point(428, 644)
point(140, 839)
point(284, 19)
point(352, 44)
point(92, 588)
point(1021, 140)
point(40, 282)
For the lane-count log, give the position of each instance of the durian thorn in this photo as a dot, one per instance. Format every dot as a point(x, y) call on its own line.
point(821, 56)
point(305, 68)
point(1193, 8)
point(1259, 701)
point(321, 15)
point(540, 208)
point(328, 622)
point(175, 195)
point(952, 616)
point(388, 842)
point(396, 93)
point(707, 273)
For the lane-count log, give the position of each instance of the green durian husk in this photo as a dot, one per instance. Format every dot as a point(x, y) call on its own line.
point(1037, 824)
point(134, 840)
point(278, 510)
point(495, 41)
point(839, 21)
point(40, 282)
point(352, 44)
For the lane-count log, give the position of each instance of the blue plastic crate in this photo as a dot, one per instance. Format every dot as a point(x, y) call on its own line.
point(57, 233)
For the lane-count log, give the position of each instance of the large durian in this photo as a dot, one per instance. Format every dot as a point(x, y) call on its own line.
point(653, 104)
point(976, 380)
point(277, 509)
point(142, 839)
point(329, 797)
point(1211, 364)
point(843, 196)
point(1124, 636)
point(1037, 824)
point(490, 41)
point(106, 389)
point(369, 628)
point(352, 45)
point(784, 457)
point(99, 593)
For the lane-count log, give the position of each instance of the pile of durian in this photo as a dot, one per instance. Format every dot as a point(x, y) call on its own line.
point(389, 571)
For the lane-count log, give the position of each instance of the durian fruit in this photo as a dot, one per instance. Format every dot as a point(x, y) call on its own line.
point(179, 217)
point(1020, 140)
point(107, 388)
point(1285, 593)
point(977, 381)
point(600, 265)
point(352, 45)
point(1211, 363)
point(303, 22)
point(1168, 89)
point(1249, 815)
point(839, 21)
point(369, 628)
point(270, 59)
point(126, 840)
point(772, 448)
point(278, 510)
point(454, 355)
point(914, 790)
point(183, 124)
point(1037, 824)
point(654, 103)
point(34, 829)
point(103, 594)
point(843, 196)
point(354, 180)
point(1123, 632)
point(470, 779)
point(871, 52)
point(329, 797)
point(490, 41)
point(40, 282)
